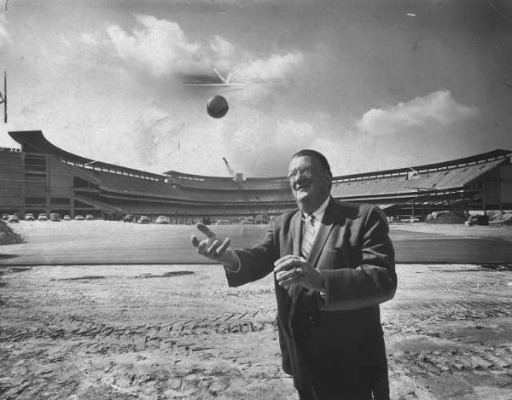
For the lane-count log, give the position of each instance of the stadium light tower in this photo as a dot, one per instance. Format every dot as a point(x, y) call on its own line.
point(3, 97)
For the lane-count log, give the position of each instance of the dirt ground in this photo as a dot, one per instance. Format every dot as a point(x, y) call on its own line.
point(178, 332)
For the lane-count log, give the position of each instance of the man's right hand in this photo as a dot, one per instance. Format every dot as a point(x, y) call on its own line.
point(215, 249)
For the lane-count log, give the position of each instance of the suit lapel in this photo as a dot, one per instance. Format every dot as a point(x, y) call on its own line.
point(324, 230)
point(296, 232)
point(296, 235)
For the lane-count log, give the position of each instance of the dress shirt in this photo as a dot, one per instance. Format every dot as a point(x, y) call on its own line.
point(318, 214)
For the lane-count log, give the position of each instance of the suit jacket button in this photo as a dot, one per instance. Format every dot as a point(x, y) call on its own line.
point(312, 321)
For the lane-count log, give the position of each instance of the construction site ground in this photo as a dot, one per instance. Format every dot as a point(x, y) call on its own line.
point(176, 331)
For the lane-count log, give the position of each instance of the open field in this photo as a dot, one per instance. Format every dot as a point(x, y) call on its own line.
point(174, 331)
point(105, 242)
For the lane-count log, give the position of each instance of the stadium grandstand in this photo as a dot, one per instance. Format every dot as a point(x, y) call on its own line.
point(43, 178)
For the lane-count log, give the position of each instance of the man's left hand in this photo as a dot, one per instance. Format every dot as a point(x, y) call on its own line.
point(294, 270)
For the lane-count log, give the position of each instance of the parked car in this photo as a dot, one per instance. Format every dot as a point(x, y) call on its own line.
point(5, 217)
point(408, 218)
point(477, 220)
point(42, 217)
point(29, 217)
point(144, 219)
point(55, 217)
point(128, 218)
point(79, 217)
point(162, 219)
point(89, 217)
point(13, 218)
point(223, 222)
point(66, 218)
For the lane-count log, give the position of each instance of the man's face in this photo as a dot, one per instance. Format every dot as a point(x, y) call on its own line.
point(309, 181)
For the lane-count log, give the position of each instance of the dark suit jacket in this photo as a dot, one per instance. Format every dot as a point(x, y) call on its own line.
point(353, 252)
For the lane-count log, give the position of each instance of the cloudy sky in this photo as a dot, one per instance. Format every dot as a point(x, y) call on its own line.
point(372, 84)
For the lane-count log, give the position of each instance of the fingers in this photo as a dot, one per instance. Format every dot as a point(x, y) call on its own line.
point(292, 274)
point(208, 248)
point(215, 248)
point(212, 248)
point(223, 247)
point(287, 262)
point(206, 231)
point(294, 270)
point(195, 241)
point(289, 269)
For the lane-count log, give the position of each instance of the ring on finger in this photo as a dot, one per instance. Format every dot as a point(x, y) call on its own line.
point(297, 272)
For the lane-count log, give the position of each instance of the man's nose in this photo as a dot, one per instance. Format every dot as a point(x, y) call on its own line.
point(300, 177)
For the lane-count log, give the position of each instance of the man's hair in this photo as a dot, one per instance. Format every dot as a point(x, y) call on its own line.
point(316, 155)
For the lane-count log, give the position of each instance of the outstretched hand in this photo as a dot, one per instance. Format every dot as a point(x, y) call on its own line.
point(215, 249)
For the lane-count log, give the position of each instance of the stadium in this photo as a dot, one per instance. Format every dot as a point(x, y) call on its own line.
point(40, 177)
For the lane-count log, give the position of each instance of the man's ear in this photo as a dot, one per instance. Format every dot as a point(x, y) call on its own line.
point(328, 175)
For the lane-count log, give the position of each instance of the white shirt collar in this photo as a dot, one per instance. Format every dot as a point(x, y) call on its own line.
point(320, 211)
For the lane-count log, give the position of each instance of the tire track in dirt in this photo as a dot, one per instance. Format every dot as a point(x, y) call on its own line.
point(75, 328)
point(481, 358)
point(415, 316)
point(185, 341)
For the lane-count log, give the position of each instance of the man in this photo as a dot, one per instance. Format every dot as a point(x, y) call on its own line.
point(333, 264)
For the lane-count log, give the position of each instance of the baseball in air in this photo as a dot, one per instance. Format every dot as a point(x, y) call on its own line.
point(217, 107)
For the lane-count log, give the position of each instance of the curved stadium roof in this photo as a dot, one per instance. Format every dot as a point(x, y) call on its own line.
point(447, 175)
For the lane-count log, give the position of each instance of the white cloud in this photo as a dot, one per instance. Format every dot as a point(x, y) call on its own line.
point(277, 66)
point(422, 130)
point(88, 39)
point(163, 49)
point(221, 47)
point(367, 146)
point(159, 45)
point(265, 77)
point(438, 108)
point(5, 36)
